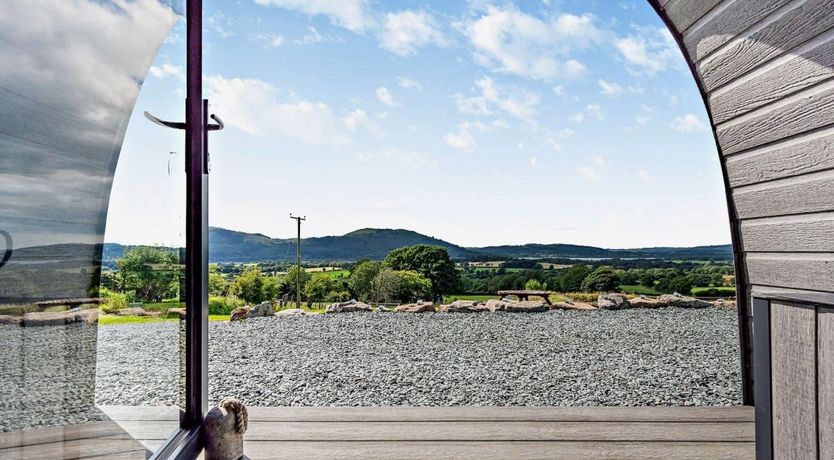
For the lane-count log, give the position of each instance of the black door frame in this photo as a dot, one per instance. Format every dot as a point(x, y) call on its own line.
point(187, 442)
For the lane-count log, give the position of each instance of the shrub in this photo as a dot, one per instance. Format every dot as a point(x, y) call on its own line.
point(223, 305)
point(601, 279)
point(115, 301)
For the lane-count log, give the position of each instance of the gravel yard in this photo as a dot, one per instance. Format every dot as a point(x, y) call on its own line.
point(667, 356)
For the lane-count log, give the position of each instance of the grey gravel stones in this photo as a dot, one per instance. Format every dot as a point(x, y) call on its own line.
point(666, 356)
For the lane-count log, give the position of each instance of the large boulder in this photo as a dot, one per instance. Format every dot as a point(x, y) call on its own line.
point(512, 306)
point(136, 311)
point(647, 302)
point(261, 310)
point(348, 307)
point(239, 313)
point(419, 307)
point(678, 300)
point(76, 315)
point(291, 312)
point(571, 305)
point(464, 306)
point(612, 302)
point(724, 303)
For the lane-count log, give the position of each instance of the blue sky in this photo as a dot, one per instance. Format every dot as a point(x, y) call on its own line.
point(476, 122)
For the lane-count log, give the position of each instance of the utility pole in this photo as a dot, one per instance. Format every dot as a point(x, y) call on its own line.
point(298, 260)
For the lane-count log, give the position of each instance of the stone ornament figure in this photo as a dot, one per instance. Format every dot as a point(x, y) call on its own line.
point(224, 426)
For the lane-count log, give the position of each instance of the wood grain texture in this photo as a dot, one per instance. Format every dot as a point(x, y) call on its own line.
point(499, 450)
point(812, 233)
point(807, 194)
point(793, 381)
point(813, 272)
point(808, 111)
point(59, 434)
point(736, 18)
point(800, 156)
point(478, 431)
point(796, 26)
point(684, 13)
point(812, 66)
point(457, 414)
point(825, 380)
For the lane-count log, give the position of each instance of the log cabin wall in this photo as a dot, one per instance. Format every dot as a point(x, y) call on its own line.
point(766, 71)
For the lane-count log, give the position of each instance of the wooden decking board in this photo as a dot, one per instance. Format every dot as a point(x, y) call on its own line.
point(498, 450)
point(477, 431)
point(425, 432)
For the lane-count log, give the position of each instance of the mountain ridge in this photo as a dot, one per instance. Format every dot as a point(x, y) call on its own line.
point(228, 246)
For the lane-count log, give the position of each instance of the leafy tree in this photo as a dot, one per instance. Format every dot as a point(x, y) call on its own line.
point(570, 279)
point(432, 262)
point(152, 273)
point(391, 285)
point(361, 279)
point(534, 285)
point(253, 287)
point(602, 279)
point(217, 284)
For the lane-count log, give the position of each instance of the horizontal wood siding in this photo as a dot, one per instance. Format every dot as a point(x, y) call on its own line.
point(806, 194)
point(798, 156)
point(684, 13)
point(793, 378)
point(797, 115)
point(738, 16)
point(814, 272)
point(796, 26)
point(812, 233)
point(813, 66)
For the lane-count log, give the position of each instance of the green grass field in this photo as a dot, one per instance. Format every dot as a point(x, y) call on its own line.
point(331, 274)
point(478, 297)
point(637, 289)
point(115, 320)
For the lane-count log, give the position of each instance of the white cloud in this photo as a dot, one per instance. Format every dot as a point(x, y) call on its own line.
point(358, 118)
point(645, 176)
point(464, 138)
point(490, 97)
point(167, 70)
point(598, 161)
point(595, 111)
point(385, 96)
point(642, 119)
point(559, 90)
point(534, 161)
point(219, 23)
point(688, 123)
point(270, 40)
point(578, 117)
point(313, 36)
point(404, 32)
point(406, 82)
point(649, 50)
point(554, 139)
point(350, 14)
point(510, 41)
point(587, 172)
point(610, 89)
point(254, 107)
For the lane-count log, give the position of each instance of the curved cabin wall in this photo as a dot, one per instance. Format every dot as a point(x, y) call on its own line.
point(766, 69)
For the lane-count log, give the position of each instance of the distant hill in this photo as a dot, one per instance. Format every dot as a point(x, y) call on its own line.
point(232, 246)
point(556, 251)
